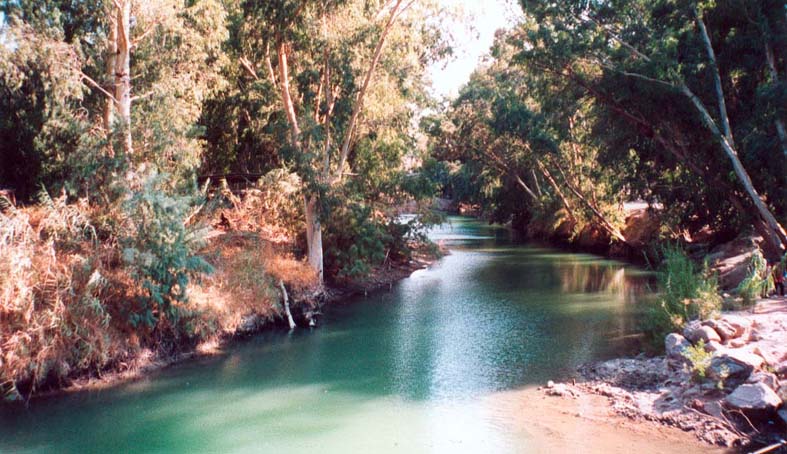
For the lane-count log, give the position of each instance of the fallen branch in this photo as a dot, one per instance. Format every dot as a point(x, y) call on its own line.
point(286, 302)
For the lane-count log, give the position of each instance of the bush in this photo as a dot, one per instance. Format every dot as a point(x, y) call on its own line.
point(356, 239)
point(699, 360)
point(688, 293)
point(53, 287)
point(757, 282)
point(160, 252)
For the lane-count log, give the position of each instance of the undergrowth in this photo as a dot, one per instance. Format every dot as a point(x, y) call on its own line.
point(688, 292)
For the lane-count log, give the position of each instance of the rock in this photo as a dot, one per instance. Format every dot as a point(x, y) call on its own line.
point(781, 368)
point(725, 330)
point(675, 345)
point(561, 390)
point(714, 409)
point(696, 332)
point(713, 347)
point(783, 416)
point(550, 384)
point(736, 343)
point(733, 367)
point(766, 378)
point(782, 392)
point(773, 352)
point(741, 325)
point(757, 397)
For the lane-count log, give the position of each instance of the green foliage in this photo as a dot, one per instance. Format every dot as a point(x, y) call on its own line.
point(699, 359)
point(160, 253)
point(687, 293)
point(758, 281)
point(353, 241)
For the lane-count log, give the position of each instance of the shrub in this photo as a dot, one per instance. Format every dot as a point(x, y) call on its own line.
point(687, 293)
point(161, 250)
point(758, 281)
point(699, 359)
point(53, 284)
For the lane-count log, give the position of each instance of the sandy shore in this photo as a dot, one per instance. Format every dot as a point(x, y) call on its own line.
point(589, 424)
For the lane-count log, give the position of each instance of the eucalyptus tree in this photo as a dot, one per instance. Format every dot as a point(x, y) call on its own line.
point(669, 68)
point(138, 74)
point(337, 77)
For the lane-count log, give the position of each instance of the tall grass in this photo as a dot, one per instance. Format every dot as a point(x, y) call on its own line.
point(52, 282)
point(689, 292)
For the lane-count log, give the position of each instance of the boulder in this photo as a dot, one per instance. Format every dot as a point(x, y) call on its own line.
point(783, 416)
point(753, 397)
point(714, 409)
point(675, 345)
point(733, 367)
point(695, 332)
point(722, 328)
point(782, 392)
point(773, 352)
point(766, 378)
point(713, 347)
point(741, 325)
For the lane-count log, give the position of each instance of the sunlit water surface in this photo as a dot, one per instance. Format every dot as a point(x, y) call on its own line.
point(404, 371)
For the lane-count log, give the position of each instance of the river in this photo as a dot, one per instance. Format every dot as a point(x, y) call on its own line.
point(416, 369)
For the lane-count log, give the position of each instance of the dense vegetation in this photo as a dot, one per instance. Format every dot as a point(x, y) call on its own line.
point(127, 128)
point(130, 114)
point(588, 105)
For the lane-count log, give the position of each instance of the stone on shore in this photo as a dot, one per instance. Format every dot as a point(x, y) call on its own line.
point(733, 367)
point(675, 345)
point(741, 325)
point(783, 416)
point(753, 397)
point(696, 331)
point(724, 329)
point(766, 378)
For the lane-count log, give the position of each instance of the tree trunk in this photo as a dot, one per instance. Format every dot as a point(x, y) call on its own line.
point(548, 176)
point(740, 171)
point(314, 234)
point(362, 93)
point(112, 50)
point(725, 120)
point(605, 224)
point(780, 129)
point(123, 72)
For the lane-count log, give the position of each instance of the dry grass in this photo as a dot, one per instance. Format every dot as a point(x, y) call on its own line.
point(246, 280)
point(65, 296)
point(54, 282)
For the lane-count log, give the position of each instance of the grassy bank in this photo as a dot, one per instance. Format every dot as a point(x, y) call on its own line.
point(83, 302)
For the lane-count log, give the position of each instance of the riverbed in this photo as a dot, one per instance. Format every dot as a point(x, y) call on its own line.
point(447, 361)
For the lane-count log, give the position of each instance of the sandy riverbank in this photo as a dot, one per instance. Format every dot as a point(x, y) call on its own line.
point(660, 393)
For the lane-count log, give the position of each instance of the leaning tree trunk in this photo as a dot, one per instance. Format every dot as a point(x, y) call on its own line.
point(123, 72)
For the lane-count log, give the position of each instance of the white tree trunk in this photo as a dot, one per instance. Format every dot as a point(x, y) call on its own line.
point(314, 234)
point(123, 72)
point(112, 50)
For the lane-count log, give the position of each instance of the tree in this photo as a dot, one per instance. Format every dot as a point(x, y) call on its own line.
point(663, 47)
point(325, 58)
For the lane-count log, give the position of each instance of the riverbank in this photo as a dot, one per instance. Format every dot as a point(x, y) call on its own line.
point(307, 303)
point(727, 392)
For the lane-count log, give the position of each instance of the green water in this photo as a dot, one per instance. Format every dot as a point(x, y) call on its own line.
point(401, 371)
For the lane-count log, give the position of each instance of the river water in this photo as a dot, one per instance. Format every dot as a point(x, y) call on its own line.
point(410, 370)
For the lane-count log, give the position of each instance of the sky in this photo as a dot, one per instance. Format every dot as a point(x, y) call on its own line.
point(471, 40)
